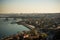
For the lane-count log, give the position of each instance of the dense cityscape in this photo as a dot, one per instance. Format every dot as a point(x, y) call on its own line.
point(41, 26)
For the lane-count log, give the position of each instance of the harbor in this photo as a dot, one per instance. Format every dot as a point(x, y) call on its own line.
point(32, 27)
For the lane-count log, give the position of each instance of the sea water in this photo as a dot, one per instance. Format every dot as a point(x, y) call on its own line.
point(6, 28)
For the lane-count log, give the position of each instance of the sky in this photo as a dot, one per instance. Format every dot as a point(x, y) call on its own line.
point(29, 6)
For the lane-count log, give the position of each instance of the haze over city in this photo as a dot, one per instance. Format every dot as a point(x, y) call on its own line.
point(29, 6)
point(29, 19)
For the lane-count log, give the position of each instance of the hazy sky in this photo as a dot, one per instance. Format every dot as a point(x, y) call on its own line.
point(29, 6)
